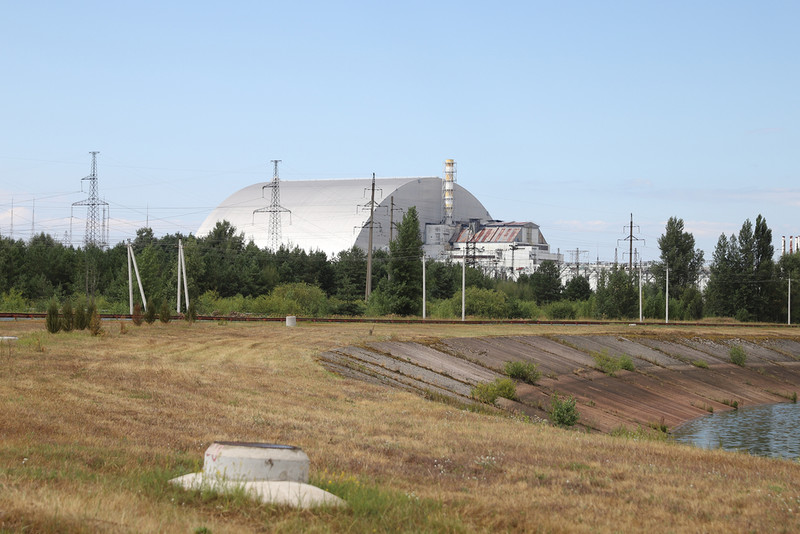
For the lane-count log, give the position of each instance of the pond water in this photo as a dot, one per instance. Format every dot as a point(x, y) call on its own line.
point(771, 430)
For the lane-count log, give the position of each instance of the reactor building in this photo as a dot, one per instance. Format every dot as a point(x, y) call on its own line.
point(334, 215)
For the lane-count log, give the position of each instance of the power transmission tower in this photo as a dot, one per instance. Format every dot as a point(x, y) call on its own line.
point(95, 224)
point(630, 240)
point(577, 260)
point(274, 209)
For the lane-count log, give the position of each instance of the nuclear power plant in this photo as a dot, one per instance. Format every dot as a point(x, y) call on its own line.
point(335, 215)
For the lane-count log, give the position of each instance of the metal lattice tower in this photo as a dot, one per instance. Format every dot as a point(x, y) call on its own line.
point(95, 223)
point(274, 209)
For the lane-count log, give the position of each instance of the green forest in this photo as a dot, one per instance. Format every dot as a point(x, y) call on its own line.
point(228, 276)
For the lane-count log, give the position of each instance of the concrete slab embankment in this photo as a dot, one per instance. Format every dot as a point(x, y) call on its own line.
point(674, 380)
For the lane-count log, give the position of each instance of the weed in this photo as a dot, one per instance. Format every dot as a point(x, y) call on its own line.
point(732, 403)
point(738, 355)
point(794, 397)
point(528, 372)
point(700, 363)
point(563, 412)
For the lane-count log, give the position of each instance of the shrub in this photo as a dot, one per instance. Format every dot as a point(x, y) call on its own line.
point(738, 355)
point(526, 371)
point(626, 362)
point(561, 310)
point(563, 412)
point(52, 321)
point(81, 320)
point(191, 311)
point(150, 313)
point(136, 317)
point(164, 313)
point(67, 317)
point(610, 365)
point(490, 391)
point(95, 326)
point(12, 300)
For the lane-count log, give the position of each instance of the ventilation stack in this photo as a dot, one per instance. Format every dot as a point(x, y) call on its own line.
point(448, 188)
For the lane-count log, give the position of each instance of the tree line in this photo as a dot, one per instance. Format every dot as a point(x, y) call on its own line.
point(228, 274)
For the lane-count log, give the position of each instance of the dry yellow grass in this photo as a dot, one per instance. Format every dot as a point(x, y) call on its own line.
point(92, 427)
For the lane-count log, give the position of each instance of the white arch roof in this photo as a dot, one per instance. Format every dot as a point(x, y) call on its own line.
point(333, 215)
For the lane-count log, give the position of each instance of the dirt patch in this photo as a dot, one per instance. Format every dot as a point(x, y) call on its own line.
point(674, 379)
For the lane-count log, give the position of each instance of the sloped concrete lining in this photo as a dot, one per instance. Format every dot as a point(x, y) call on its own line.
point(273, 474)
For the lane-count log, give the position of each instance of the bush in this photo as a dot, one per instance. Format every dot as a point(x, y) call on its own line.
point(560, 310)
point(738, 355)
point(136, 317)
point(52, 321)
point(67, 317)
point(526, 371)
point(191, 311)
point(13, 301)
point(490, 391)
point(563, 412)
point(95, 326)
point(164, 313)
point(81, 320)
point(150, 313)
point(610, 365)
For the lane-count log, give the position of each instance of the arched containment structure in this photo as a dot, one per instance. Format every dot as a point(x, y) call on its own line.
point(333, 215)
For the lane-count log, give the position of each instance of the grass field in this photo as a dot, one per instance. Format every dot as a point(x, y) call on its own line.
point(92, 428)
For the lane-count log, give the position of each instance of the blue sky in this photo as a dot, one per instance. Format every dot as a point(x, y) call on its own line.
point(569, 114)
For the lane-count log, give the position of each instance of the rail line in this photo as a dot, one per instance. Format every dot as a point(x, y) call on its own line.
point(405, 320)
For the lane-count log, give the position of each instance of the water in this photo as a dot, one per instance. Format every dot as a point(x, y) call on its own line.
point(772, 430)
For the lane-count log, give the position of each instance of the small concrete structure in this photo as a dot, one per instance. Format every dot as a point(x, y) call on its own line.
point(291, 320)
point(275, 474)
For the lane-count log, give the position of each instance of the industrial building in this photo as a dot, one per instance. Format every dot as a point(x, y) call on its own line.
point(334, 215)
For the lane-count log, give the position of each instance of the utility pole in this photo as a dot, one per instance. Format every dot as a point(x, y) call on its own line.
point(369, 247)
point(667, 297)
point(182, 271)
point(392, 209)
point(424, 288)
point(132, 259)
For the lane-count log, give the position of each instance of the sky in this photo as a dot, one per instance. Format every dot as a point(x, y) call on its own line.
point(574, 115)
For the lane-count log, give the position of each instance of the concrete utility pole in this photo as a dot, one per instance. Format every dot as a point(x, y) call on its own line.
point(369, 247)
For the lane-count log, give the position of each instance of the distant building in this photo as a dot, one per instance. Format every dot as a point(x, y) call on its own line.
point(333, 215)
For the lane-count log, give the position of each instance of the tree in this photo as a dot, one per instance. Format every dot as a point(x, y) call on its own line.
point(742, 282)
point(578, 289)
point(616, 294)
point(679, 255)
point(546, 283)
point(404, 291)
